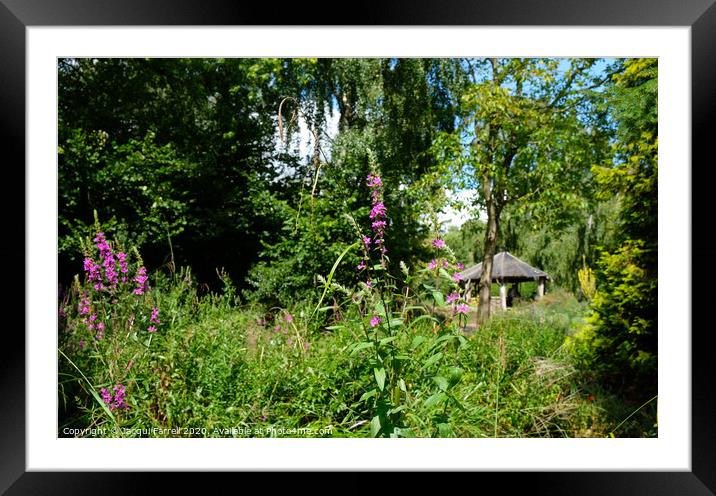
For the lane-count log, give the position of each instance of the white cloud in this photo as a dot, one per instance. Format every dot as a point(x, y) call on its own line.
point(462, 212)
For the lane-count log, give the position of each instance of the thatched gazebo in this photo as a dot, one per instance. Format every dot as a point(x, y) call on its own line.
point(506, 268)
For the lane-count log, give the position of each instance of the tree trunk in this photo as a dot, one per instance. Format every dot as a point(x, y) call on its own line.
point(490, 243)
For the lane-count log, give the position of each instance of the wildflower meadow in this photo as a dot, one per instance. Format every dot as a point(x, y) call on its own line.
point(269, 267)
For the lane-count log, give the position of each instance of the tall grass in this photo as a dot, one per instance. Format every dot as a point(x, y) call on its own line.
point(221, 370)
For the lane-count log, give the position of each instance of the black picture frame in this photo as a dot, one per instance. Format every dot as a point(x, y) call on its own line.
point(700, 15)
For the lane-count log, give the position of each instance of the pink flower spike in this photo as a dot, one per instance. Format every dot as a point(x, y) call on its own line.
point(154, 319)
point(378, 210)
point(433, 264)
point(374, 181)
point(289, 317)
point(375, 320)
point(462, 308)
point(439, 243)
point(152, 329)
point(452, 297)
point(456, 277)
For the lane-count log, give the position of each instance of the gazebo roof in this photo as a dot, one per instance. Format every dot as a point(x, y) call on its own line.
point(505, 267)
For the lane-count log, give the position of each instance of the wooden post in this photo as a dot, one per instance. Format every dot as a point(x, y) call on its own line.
point(503, 295)
point(468, 290)
point(540, 288)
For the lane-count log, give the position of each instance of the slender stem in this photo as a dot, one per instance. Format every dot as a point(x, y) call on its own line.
point(632, 414)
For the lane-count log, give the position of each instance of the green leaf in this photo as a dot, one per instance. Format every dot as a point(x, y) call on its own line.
point(368, 395)
point(401, 384)
point(415, 307)
point(444, 337)
point(434, 399)
point(404, 432)
point(454, 375)
point(334, 327)
point(417, 341)
point(380, 377)
point(375, 426)
point(395, 322)
point(442, 382)
point(388, 340)
point(433, 360)
point(361, 346)
point(423, 317)
point(445, 430)
point(439, 299)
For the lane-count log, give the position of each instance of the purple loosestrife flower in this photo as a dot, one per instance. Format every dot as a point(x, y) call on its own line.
point(110, 271)
point(452, 297)
point(460, 266)
point(151, 328)
point(82, 344)
point(378, 210)
point(154, 319)
point(122, 259)
point(445, 264)
point(374, 181)
point(84, 305)
point(369, 283)
point(141, 280)
point(456, 277)
point(462, 308)
point(378, 225)
point(378, 213)
point(277, 328)
point(119, 402)
point(361, 265)
point(439, 243)
point(375, 320)
point(433, 264)
point(93, 269)
point(106, 396)
point(366, 242)
point(289, 317)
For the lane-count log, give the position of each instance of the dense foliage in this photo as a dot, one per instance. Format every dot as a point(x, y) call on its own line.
point(620, 341)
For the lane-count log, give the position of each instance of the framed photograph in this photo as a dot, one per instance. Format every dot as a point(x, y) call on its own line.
point(51, 52)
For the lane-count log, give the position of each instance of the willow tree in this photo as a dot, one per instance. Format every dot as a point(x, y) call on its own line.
point(527, 136)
